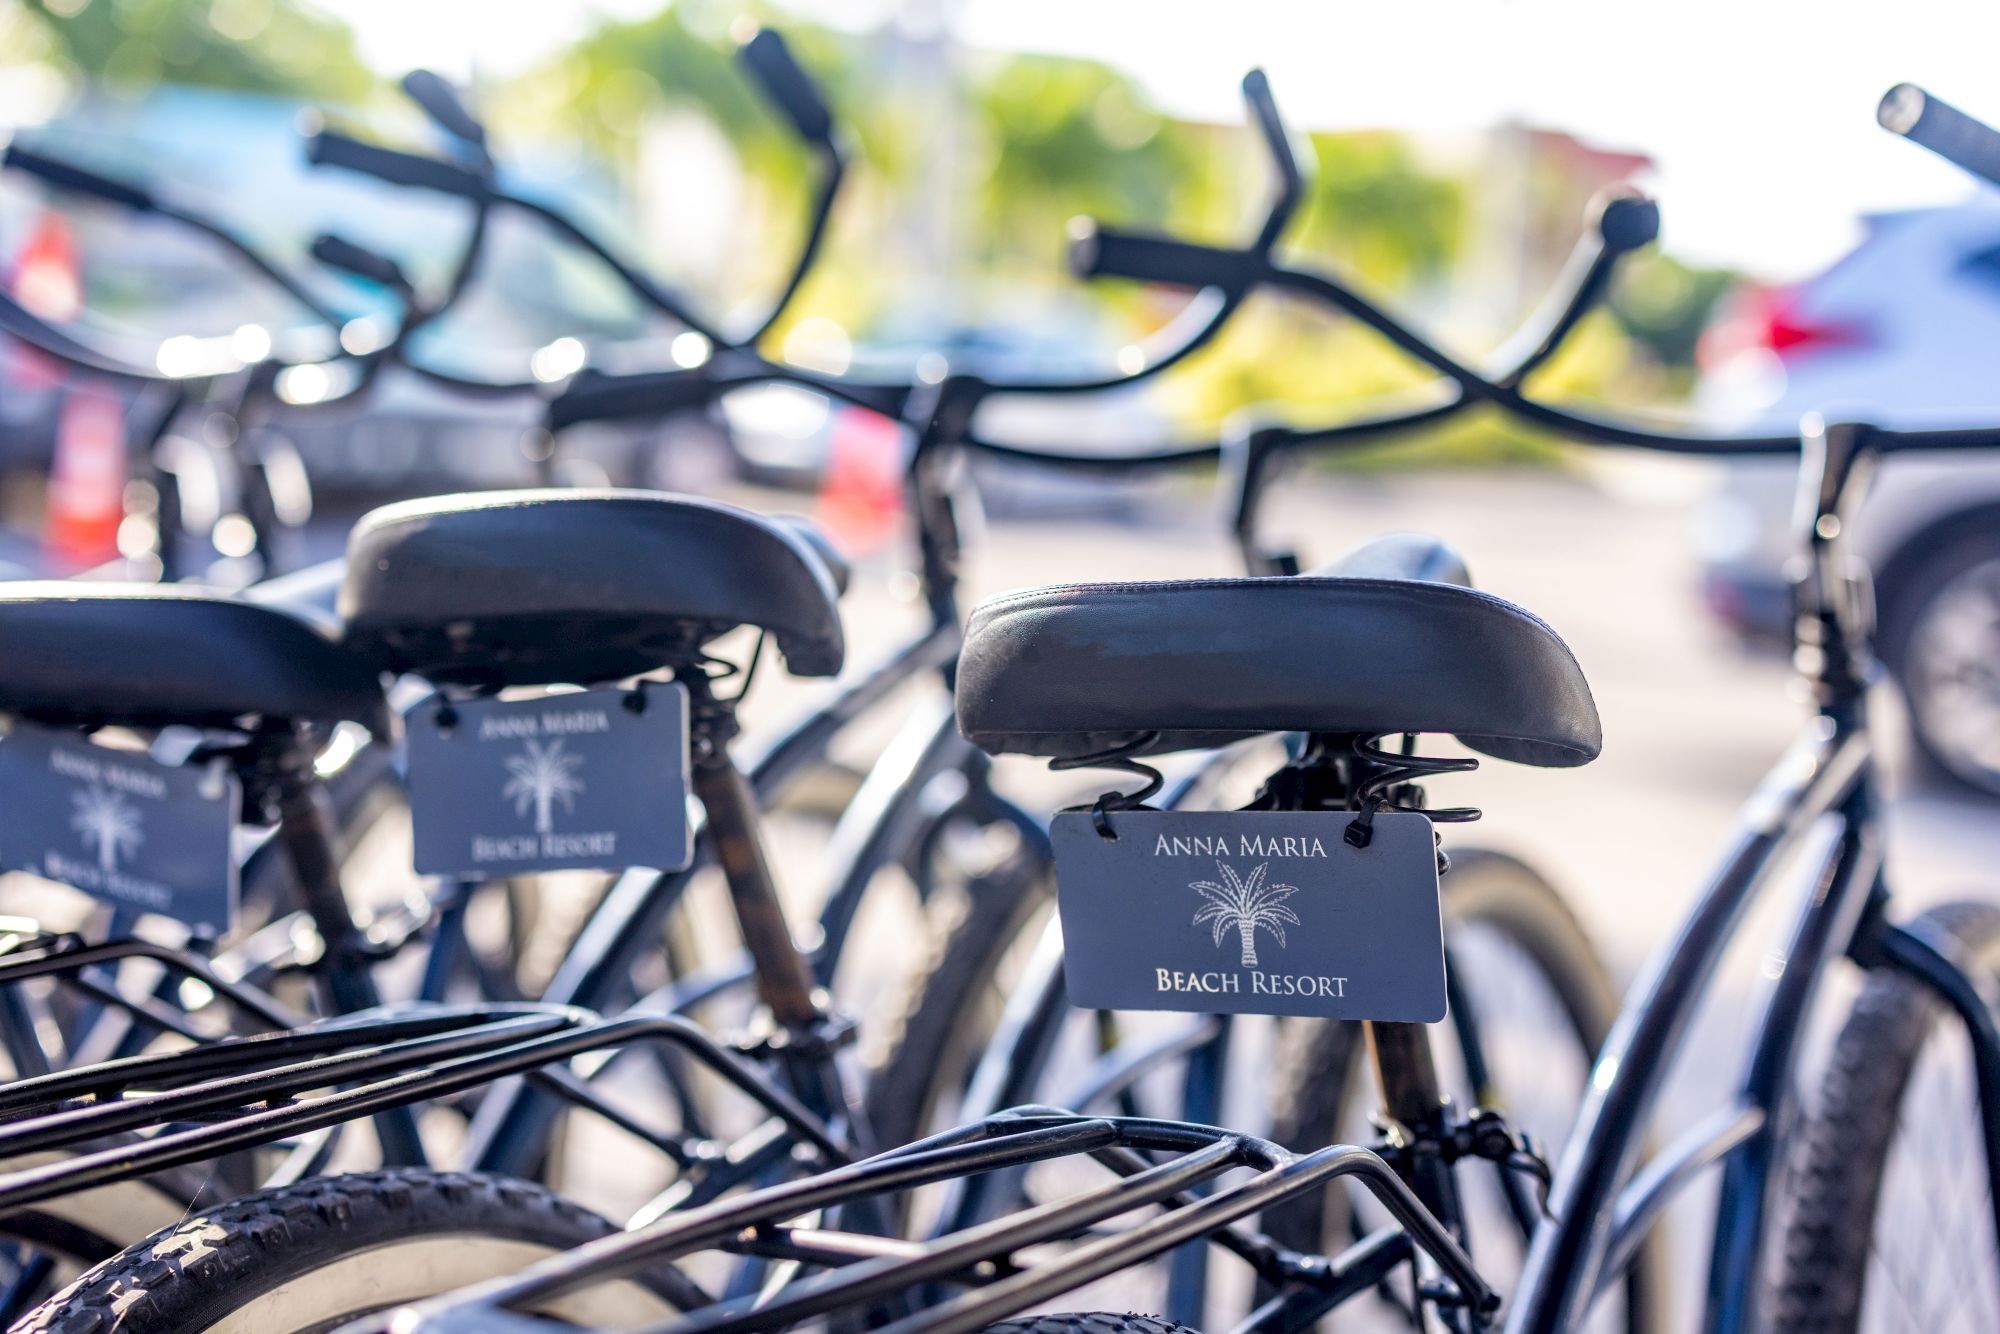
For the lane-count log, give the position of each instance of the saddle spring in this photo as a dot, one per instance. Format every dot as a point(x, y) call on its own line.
point(1120, 758)
point(1391, 783)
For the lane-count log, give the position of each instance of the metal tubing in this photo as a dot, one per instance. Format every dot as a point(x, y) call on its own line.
point(1114, 1073)
point(806, 743)
point(1012, 1141)
point(880, 817)
point(513, 1119)
point(868, 1282)
point(229, 1055)
point(1676, 1167)
point(1201, 1101)
point(1095, 1260)
point(1364, 1265)
point(66, 955)
point(74, 1125)
point(1565, 1258)
point(173, 1148)
point(785, 982)
point(681, 1233)
point(1827, 920)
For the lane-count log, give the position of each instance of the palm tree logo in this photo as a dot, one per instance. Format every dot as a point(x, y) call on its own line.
point(1245, 904)
point(108, 823)
point(542, 776)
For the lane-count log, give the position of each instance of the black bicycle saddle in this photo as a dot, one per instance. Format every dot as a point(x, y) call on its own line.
point(143, 655)
point(1386, 640)
point(534, 587)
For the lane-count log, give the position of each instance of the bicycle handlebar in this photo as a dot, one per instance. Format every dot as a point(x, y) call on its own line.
point(66, 175)
point(769, 59)
point(69, 176)
point(18, 322)
point(1278, 148)
point(1941, 127)
point(337, 252)
point(441, 102)
point(331, 148)
point(598, 396)
point(592, 395)
point(1098, 251)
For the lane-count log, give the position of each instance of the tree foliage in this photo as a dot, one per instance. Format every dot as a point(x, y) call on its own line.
point(266, 46)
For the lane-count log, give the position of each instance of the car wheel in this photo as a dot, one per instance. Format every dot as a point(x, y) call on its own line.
point(1941, 640)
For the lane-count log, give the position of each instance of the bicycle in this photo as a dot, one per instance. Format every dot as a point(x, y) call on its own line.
point(953, 406)
point(604, 956)
point(1033, 683)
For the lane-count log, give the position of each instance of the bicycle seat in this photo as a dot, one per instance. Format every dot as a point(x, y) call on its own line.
point(544, 586)
point(1079, 669)
point(143, 655)
point(1401, 556)
point(837, 567)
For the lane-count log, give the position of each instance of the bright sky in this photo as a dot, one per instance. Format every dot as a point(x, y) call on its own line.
point(1760, 113)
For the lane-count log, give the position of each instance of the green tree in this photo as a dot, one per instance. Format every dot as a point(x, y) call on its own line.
point(1665, 304)
point(267, 46)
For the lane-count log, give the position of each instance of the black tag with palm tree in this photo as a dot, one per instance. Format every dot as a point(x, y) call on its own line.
point(562, 780)
point(1252, 912)
point(121, 826)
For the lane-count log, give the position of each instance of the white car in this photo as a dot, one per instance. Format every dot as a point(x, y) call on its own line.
point(1905, 331)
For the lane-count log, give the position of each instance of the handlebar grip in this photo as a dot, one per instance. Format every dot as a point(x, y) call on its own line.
point(770, 60)
point(1098, 252)
point(443, 105)
point(1626, 222)
point(330, 148)
point(69, 176)
point(338, 252)
point(1941, 127)
point(593, 395)
point(1271, 127)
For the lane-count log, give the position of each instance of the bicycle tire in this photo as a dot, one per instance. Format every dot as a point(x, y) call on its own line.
point(1089, 1322)
point(319, 1253)
point(933, 1038)
point(72, 1232)
point(1825, 1264)
point(1319, 1061)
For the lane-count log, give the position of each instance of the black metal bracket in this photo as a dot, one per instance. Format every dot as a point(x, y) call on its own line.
point(1483, 1135)
point(831, 1034)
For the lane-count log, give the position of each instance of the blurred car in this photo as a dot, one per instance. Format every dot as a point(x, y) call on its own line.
point(787, 436)
point(1905, 331)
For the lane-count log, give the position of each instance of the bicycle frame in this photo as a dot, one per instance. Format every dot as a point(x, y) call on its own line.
point(1827, 774)
point(512, 1124)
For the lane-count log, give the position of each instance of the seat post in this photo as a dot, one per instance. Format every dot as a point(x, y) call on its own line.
point(1415, 1109)
point(784, 975)
point(306, 829)
point(1329, 776)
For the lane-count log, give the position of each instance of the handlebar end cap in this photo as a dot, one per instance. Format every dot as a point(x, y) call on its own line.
point(1901, 108)
point(1627, 221)
point(1083, 249)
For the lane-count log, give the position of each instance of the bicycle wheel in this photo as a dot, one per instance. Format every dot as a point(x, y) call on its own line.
point(1892, 1227)
point(1531, 1004)
point(49, 1244)
point(315, 1255)
point(1088, 1322)
point(940, 1023)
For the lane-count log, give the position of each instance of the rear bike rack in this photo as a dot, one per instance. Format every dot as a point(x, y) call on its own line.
point(122, 1119)
point(989, 1263)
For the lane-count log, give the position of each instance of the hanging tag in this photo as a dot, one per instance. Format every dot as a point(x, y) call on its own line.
point(594, 779)
point(1252, 912)
point(121, 826)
